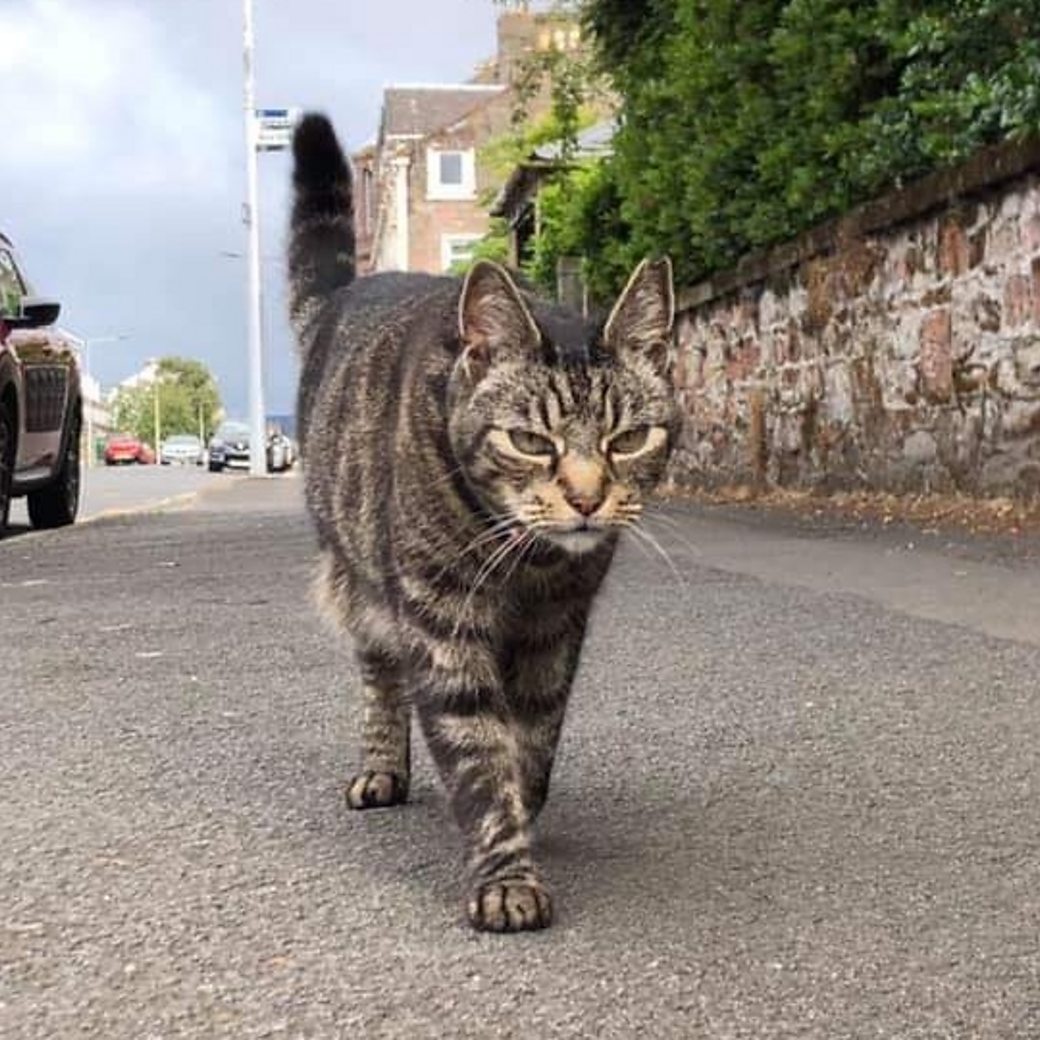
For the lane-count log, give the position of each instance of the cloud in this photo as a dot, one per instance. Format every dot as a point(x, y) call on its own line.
point(94, 94)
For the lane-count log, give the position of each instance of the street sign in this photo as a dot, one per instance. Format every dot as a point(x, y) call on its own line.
point(274, 127)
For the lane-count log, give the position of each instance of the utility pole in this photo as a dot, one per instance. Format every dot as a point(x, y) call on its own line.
point(155, 418)
point(257, 440)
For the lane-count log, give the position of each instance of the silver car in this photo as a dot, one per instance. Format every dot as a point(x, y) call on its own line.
point(182, 449)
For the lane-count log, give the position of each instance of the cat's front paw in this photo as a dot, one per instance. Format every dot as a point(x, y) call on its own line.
point(370, 790)
point(512, 905)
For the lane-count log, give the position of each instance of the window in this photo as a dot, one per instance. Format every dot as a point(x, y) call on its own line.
point(457, 249)
point(451, 168)
point(450, 174)
point(11, 288)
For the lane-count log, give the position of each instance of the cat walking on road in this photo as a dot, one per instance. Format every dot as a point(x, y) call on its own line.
point(471, 455)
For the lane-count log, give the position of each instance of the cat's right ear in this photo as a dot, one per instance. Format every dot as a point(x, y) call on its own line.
point(494, 322)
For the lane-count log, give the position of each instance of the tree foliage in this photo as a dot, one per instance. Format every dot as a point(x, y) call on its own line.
point(188, 399)
point(746, 121)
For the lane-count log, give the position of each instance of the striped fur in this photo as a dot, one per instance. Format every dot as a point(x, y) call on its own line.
point(471, 455)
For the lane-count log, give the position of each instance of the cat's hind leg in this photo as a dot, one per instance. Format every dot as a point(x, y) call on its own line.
point(385, 736)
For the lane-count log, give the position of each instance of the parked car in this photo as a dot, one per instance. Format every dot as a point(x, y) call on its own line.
point(183, 449)
point(279, 452)
point(40, 403)
point(229, 448)
point(124, 448)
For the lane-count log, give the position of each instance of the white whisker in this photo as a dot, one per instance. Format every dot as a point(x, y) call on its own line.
point(659, 549)
point(674, 531)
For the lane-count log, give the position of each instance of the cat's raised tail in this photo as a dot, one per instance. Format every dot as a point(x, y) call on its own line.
point(322, 249)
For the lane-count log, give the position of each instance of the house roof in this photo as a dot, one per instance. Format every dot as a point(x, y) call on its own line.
point(593, 143)
point(417, 110)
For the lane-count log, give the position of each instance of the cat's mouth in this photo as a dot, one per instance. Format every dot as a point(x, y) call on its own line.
point(579, 537)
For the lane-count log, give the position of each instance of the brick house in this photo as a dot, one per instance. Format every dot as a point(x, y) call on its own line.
point(421, 195)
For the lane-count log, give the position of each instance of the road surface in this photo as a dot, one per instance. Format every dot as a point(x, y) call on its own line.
point(798, 796)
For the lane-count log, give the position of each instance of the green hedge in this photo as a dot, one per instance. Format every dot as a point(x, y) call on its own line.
point(746, 121)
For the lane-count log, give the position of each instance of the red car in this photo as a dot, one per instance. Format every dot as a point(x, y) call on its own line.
point(122, 448)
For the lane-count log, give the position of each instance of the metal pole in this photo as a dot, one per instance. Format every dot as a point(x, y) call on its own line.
point(156, 418)
point(257, 445)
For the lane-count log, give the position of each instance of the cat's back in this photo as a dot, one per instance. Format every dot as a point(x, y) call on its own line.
point(363, 330)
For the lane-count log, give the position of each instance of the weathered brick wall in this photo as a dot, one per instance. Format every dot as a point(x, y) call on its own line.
point(898, 348)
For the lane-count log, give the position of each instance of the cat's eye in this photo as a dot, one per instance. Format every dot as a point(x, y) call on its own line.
point(528, 443)
point(630, 441)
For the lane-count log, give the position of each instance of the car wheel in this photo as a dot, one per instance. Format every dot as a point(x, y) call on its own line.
point(56, 505)
point(215, 467)
point(7, 443)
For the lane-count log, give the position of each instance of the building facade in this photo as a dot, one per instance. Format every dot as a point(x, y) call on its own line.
point(422, 193)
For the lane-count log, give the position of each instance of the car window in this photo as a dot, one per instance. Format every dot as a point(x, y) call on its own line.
point(11, 288)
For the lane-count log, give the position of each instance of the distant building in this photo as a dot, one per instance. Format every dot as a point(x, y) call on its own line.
point(143, 377)
point(421, 192)
point(96, 408)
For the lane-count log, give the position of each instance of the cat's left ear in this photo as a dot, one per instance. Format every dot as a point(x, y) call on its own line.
point(642, 319)
point(494, 322)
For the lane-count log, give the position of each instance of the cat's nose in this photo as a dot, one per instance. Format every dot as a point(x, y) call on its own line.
point(583, 483)
point(584, 503)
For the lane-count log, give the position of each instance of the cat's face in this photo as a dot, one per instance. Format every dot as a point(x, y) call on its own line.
point(562, 428)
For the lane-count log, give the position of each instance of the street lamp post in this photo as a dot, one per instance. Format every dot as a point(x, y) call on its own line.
point(258, 452)
point(155, 419)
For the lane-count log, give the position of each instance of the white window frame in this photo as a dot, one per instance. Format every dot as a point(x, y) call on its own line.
point(450, 240)
point(439, 192)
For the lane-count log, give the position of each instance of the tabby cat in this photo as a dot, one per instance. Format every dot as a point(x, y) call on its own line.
point(471, 455)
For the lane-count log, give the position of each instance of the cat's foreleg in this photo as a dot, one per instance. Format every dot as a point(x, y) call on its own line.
point(476, 748)
point(538, 690)
point(385, 738)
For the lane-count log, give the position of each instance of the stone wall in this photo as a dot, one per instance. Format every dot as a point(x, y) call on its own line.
point(897, 348)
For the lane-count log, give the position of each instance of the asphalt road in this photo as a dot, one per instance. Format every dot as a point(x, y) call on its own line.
point(798, 797)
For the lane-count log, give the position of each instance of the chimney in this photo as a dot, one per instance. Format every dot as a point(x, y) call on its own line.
point(517, 37)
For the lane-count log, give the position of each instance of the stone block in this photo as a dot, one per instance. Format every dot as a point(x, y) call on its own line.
point(954, 253)
point(1027, 363)
point(985, 312)
point(1021, 418)
point(1018, 300)
point(1035, 273)
point(837, 403)
point(920, 448)
point(1031, 232)
point(743, 361)
point(936, 356)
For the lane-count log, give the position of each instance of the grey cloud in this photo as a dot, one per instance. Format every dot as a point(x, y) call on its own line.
point(129, 187)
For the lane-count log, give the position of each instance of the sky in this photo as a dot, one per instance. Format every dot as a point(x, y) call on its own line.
point(122, 160)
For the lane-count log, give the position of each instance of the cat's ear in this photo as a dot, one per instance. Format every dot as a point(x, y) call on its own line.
point(642, 319)
point(494, 322)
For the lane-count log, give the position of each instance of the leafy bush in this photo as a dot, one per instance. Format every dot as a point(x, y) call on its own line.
point(746, 121)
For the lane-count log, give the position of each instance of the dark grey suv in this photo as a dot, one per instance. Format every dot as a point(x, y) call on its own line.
point(40, 405)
